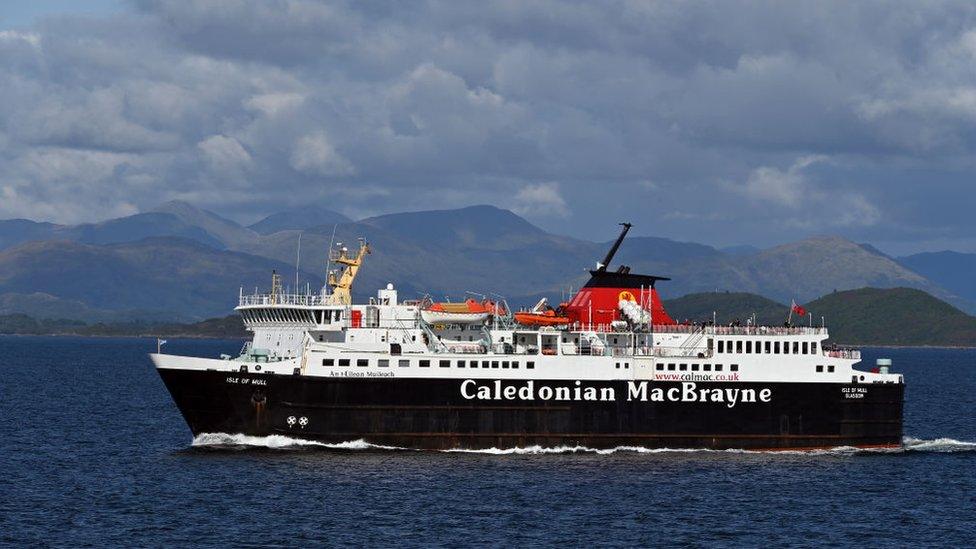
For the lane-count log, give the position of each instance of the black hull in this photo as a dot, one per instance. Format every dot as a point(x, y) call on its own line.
point(434, 414)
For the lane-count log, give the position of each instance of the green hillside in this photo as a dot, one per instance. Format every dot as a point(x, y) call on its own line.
point(223, 327)
point(727, 306)
point(895, 316)
point(868, 316)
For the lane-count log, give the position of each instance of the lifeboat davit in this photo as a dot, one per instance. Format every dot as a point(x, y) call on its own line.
point(467, 312)
point(541, 315)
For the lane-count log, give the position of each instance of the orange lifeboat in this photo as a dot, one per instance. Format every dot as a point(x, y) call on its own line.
point(468, 312)
point(544, 318)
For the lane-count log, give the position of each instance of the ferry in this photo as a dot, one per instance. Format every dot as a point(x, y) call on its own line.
point(608, 368)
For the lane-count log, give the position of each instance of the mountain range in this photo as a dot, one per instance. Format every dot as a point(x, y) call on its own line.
point(179, 262)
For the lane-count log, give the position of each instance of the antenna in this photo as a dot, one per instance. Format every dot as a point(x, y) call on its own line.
point(298, 259)
point(613, 250)
point(328, 257)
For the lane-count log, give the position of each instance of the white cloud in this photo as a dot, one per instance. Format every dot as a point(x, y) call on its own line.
point(224, 155)
point(314, 154)
point(780, 187)
point(805, 202)
point(542, 199)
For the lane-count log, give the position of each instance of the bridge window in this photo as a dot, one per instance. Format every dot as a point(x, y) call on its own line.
point(767, 347)
point(738, 346)
point(759, 347)
point(721, 345)
point(748, 347)
point(805, 348)
point(776, 348)
point(813, 347)
point(796, 347)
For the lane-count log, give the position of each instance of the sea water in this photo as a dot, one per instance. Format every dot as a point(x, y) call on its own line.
point(93, 452)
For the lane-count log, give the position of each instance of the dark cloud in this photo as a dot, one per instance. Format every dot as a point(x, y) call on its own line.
point(721, 122)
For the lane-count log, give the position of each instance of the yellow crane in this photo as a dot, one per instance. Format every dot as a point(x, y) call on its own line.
point(342, 285)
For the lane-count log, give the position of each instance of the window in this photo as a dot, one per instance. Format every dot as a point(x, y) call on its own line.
point(796, 347)
point(830, 369)
point(515, 365)
point(425, 364)
point(819, 367)
point(759, 347)
point(776, 348)
point(671, 367)
point(733, 367)
point(659, 367)
point(767, 347)
point(707, 367)
point(786, 347)
point(505, 364)
point(343, 362)
point(683, 367)
point(718, 367)
point(494, 364)
point(328, 362)
point(362, 362)
point(738, 346)
point(748, 346)
point(530, 365)
point(626, 365)
point(383, 363)
point(460, 364)
point(805, 348)
point(721, 345)
point(694, 367)
point(813, 347)
point(445, 364)
point(404, 363)
point(616, 365)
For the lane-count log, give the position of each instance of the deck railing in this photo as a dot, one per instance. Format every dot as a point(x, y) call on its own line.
point(306, 300)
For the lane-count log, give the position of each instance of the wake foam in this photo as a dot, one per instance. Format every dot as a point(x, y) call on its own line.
point(281, 442)
point(941, 445)
point(278, 442)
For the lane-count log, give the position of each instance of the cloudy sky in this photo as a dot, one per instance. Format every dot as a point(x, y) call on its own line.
point(719, 122)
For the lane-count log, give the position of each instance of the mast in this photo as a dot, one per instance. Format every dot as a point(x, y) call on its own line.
point(613, 250)
point(342, 284)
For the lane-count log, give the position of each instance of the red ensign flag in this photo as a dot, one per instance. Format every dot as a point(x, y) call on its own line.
point(799, 310)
